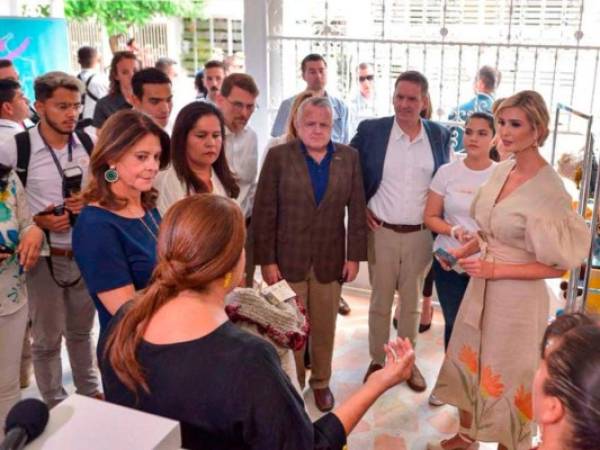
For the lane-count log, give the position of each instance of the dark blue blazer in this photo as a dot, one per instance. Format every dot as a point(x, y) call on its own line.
point(371, 141)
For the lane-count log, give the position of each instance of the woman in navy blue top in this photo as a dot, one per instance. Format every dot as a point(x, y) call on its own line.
point(114, 239)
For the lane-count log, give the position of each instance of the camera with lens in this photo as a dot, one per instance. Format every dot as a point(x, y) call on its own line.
point(71, 185)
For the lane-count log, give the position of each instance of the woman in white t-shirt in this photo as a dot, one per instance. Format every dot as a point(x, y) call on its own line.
point(447, 211)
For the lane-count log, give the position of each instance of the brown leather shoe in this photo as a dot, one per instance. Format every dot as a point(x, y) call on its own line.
point(373, 367)
point(416, 381)
point(344, 308)
point(324, 399)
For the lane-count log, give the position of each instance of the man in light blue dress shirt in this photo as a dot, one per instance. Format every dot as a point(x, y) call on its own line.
point(314, 72)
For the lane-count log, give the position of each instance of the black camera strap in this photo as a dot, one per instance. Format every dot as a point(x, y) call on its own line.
point(48, 258)
point(47, 232)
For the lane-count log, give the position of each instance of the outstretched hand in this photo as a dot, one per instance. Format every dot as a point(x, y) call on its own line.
point(399, 362)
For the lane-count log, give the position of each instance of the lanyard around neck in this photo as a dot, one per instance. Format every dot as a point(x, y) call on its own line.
point(55, 158)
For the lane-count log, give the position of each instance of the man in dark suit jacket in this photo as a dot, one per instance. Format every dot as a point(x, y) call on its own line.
point(304, 189)
point(399, 156)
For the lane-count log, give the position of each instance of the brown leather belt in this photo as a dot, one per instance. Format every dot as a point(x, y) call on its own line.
point(403, 228)
point(61, 252)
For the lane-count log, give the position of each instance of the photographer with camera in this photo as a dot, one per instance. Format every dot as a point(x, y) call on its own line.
point(51, 161)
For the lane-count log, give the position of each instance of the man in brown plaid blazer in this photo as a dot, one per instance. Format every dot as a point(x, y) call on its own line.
point(304, 189)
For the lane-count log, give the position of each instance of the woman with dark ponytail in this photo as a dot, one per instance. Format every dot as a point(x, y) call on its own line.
point(173, 351)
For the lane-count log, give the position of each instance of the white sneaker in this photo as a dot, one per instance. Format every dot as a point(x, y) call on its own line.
point(434, 401)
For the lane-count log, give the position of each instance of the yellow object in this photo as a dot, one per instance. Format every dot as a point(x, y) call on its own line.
point(593, 299)
point(227, 280)
point(588, 210)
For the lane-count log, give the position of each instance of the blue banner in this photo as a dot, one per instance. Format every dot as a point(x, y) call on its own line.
point(35, 46)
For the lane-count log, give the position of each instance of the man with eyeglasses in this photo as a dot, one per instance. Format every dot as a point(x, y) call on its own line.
point(52, 162)
point(237, 102)
point(362, 105)
point(306, 187)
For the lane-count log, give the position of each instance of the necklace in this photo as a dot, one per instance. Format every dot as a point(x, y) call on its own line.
point(152, 233)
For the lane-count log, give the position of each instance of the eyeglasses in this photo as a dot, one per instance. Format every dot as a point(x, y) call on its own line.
point(367, 77)
point(239, 106)
point(63, 107)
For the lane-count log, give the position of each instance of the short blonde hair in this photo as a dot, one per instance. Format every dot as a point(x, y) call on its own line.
point(534, 107)
point(292, 132)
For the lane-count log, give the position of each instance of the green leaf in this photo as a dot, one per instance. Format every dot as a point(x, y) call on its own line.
point(119, 15)
point(464, 382)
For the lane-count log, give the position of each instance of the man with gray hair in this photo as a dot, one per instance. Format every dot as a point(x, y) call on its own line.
point(167, 66)
point(52, 161)
point(304, 190)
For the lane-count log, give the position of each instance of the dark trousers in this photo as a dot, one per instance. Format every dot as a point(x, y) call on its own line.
point(451, 287)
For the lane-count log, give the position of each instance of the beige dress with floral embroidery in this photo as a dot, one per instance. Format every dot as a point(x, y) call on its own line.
point(494, 349)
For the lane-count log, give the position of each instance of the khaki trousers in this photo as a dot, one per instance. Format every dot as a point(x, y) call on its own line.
point(56, 312)
point(321, 301)
point(397, 261)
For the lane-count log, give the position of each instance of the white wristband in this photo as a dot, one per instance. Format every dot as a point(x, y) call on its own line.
point(453, 230)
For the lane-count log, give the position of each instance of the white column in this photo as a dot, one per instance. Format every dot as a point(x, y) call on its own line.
point(9, 8)
point(57, 8)
point(257, 64)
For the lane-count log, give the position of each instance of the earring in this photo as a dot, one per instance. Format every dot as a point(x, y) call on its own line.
point(111, 175)
point(227, 280)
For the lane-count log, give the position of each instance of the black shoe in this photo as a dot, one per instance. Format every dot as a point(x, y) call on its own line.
point(424, 327)
point(306, 358)
point(395, 323)
point(344, 308)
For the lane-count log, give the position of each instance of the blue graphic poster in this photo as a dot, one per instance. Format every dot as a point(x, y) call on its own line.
point(35, 46)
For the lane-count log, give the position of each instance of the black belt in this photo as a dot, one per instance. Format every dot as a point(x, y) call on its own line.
point(403, 228)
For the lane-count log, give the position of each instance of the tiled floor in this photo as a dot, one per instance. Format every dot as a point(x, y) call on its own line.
point(401, 419)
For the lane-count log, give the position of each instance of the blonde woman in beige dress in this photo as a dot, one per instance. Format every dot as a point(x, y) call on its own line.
point(528, 233)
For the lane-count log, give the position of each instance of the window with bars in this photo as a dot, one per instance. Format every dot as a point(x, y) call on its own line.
point(403, 19)
point(532, 42)
point(213, 37)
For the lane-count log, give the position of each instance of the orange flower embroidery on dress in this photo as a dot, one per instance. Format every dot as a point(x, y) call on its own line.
point(491, 385)
point(468, 356)
point(524, 404)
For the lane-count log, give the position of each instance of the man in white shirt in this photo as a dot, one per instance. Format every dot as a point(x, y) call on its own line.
point(95, 82)
point(14, 109)
point(59, 303)
point(237, 101)
point(8, 71)
point(399, 156)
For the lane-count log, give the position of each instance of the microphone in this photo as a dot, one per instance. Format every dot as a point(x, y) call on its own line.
point(24, 422)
